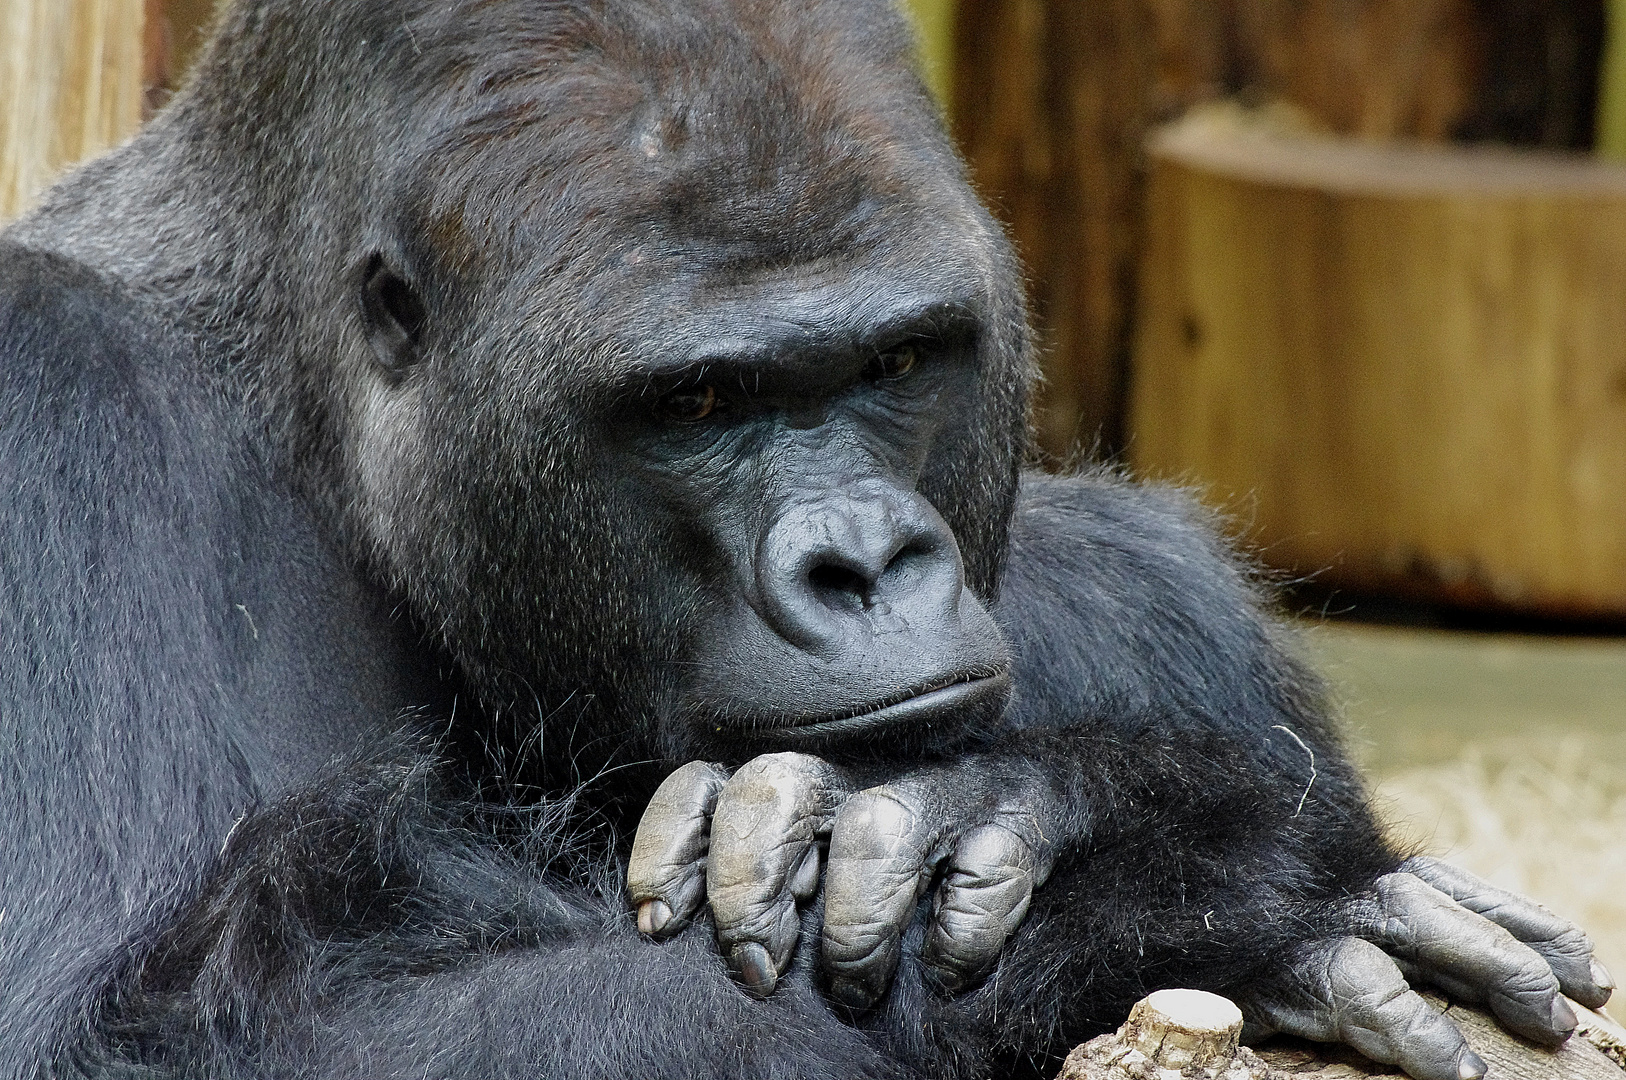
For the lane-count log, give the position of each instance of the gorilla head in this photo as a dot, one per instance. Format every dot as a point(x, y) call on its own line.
point(660, 360)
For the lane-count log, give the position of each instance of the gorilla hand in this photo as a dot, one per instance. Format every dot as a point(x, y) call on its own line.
point(1433, 923)
point(982, 837)
point(748, 844)
point(886, 844)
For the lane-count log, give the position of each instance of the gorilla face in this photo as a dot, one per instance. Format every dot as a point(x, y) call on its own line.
point(787, 451)
point(742, 387)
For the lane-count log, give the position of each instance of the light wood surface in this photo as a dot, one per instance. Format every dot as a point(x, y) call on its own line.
point(1509, 1057)
point(1403, 366)
point(70, 87)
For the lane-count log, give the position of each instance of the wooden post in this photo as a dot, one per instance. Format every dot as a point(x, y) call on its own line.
point(1182, 1034)
point(1405, 366)
point(1050, 101)
point(70, 87)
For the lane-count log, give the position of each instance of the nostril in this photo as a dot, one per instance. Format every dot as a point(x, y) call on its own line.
point(839, 586)
point(915, 549)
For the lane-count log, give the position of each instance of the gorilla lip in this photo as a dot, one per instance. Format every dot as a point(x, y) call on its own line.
point(965, 692)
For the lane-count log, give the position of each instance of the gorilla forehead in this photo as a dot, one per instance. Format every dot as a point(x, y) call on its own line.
point(656, 183)
point(725, 136)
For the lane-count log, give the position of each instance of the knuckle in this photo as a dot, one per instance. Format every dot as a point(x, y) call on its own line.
point(751, 867)
point(872, 819)
point(994, 891)
point(856, 945)
point(993, 848)
point(699, 773)
point(969, 934)
point(856, 899)
point(1530, 978)
point(1357, 969)
point(758, 919)
point(1400, 892)
point(689, 790)
point(1387, 1004)
point(783, 795)
point(785, 767)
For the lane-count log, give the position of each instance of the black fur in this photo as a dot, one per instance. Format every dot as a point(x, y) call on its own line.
point(341, 640)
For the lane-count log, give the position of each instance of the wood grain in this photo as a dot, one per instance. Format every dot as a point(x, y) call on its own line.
point(1404, 364)
point(70, 87)
point(1052, 99)
point(1509, 1057)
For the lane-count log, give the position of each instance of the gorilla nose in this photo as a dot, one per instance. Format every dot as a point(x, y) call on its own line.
point(871, 560)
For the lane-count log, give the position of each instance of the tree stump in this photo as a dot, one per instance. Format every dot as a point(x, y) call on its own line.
point(1186, 1034)
point(1402, 365)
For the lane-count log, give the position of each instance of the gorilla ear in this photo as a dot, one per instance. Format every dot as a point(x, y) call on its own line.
point(391, 313)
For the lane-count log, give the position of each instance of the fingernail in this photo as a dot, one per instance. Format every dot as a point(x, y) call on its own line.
point(653, 915)
point(1470, 1066)
point(754, 969)
point(1601, 977)
point(1563, 1016)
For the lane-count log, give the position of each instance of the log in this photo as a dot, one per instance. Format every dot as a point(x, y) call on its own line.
point(1052, 99)
point(1404, 362)
point(71, 75)
point(1192, 1035)
point(1508, 1056)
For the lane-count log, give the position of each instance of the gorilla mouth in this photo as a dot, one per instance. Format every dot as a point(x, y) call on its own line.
point(964, 694)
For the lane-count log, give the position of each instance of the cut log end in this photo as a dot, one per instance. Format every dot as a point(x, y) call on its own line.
point(1177, 1028)
point(1173, 1034)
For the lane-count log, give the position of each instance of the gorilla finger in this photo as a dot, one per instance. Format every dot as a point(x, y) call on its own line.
point(880, 853)
point(982, 900)
point(1458, 990)
point(764, 858)
point(1422, 925)
point(1350, 991)
point(666, 874)
point(1565, 946)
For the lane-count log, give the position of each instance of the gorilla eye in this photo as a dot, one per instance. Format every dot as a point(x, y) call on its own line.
point(689, 404)
point(892, 364)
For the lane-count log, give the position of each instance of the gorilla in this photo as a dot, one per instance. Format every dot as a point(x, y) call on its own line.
point(516, 562)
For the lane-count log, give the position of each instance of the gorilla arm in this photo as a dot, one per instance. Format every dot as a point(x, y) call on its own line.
point(369, 925)
point(1171, 772)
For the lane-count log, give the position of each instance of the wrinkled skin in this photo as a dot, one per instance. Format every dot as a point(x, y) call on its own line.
point(447, 422)
point(1435, 925)
point(748, 847)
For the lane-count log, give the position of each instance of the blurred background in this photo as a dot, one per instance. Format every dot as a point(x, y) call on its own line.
point(1354, 271)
